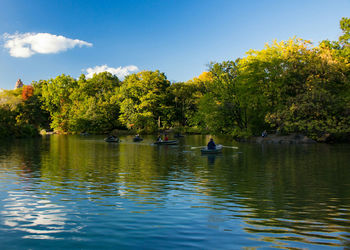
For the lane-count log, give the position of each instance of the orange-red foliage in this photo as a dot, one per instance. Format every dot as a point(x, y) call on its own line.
point(27, 92)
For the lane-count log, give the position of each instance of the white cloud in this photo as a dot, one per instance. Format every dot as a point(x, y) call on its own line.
point(28, 44)
point(120, 72)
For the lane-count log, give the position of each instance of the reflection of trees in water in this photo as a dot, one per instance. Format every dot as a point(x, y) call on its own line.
point(24, 155)
point(211, 158)
point(296, 190)
point(125, 169)
point(292, 193)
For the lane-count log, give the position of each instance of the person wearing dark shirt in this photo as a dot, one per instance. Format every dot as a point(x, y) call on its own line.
point(211, 144)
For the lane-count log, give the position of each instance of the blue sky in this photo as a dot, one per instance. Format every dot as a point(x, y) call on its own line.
point(178, 37)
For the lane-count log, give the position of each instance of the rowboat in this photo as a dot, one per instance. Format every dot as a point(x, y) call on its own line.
point(172, 142)
point(136, 139)
point(218, 149)
point(112, 139)
point(178, 135)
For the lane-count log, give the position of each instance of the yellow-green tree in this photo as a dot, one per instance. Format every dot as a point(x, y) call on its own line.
point(56, 100)
point(143, 96)
point(295, 87)
point(185, 98)
point(219, 108)
point(95, 104)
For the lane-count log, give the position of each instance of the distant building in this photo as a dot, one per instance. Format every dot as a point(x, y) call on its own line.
point(19, 84)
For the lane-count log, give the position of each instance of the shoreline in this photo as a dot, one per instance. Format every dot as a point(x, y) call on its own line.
point(293, 138)
point(280, 139)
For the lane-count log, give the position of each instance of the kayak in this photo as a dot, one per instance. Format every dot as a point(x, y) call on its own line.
point(136, 139)
point(172, 142)
point(218, 149)
point(112, 140)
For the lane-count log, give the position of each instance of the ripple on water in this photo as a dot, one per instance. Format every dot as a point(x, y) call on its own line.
point(85, 194)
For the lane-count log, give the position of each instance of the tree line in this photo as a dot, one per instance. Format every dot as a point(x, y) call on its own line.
point(289, 87)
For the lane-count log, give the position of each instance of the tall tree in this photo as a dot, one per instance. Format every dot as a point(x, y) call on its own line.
point(30, 111)
point(345, 27)
point(322, 107)
point(143, 98)
point(186, 97)
point(220, 110)
point(56, 100)
point(95, 104)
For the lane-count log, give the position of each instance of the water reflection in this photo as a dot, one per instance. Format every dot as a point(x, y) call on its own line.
point(211, 159)
point(40, 218)
point(275, 196)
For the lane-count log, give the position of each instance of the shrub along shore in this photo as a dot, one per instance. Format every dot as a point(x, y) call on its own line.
point(289, 87)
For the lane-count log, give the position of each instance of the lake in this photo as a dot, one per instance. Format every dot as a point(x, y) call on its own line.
point(79, 192)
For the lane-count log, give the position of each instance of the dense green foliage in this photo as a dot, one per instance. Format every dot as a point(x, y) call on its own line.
point(143, 100)
point(288, 87)
point(84, 105)
point(185, 98)
point(21, 115)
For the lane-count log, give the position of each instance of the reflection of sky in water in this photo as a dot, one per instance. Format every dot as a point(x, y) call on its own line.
point(40, 218)
point(88, 194)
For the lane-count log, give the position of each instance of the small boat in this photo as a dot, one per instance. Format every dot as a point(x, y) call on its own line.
point(178, 135)
point(218, 149)
point(136, 139)
point(170, 142)
point(112, 139)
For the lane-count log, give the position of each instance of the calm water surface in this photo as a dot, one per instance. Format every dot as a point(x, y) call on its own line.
point(78, 192)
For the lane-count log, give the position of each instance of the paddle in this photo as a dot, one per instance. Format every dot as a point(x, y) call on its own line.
point(222, 146)
point(230, 147)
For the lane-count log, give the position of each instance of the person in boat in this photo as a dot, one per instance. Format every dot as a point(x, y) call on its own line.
point(211, 144)
point(112, 138)
point(137, 136)
point(159, 139)
point(264, 133)
point(166, 138)
point(178, 134)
